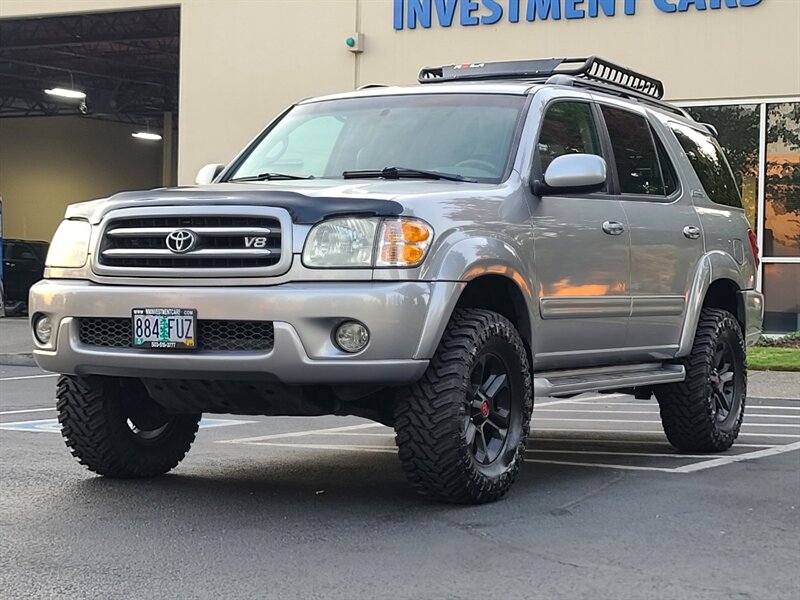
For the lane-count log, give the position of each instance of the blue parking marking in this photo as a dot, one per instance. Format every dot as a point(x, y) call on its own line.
point(53, 426)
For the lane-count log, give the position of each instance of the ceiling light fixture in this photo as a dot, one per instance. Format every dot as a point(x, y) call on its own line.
point(146, 135)
point(65, 93)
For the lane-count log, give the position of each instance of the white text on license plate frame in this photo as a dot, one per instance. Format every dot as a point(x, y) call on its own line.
point(164, 328)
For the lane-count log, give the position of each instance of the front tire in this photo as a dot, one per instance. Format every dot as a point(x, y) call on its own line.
point(114, 428)
point(462, 429)
point(704, 412)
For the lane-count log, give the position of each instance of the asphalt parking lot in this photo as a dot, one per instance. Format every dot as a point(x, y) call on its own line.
point(318, 508)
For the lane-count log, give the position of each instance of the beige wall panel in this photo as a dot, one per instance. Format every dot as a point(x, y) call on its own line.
point(244, 61)
point(47, 163)
point(726, 53)
point(30, 8)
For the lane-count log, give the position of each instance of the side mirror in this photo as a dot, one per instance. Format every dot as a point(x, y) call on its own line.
point(572, 174)
point(208, 174)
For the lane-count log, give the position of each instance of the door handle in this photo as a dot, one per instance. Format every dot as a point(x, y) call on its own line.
point(613, 227)
point(691, 232)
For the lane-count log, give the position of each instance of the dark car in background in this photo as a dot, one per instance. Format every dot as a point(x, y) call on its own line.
point(23, 265)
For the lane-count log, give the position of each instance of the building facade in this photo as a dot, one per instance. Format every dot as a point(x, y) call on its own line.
point(732, 63)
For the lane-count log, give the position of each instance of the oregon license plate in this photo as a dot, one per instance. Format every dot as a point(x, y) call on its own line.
point(164, 328)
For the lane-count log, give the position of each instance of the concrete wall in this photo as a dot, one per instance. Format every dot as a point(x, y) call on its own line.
point(243, 61)
point(47, 163)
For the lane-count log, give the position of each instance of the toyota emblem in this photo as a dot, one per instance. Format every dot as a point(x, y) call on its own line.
point(181, 241)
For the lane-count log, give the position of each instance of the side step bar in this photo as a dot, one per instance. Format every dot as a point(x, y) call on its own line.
point(577, 381)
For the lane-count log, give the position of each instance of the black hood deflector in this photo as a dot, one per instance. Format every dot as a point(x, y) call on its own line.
point(304, 210)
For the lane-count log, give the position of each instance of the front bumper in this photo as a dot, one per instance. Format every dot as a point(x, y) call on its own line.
point(405, 320)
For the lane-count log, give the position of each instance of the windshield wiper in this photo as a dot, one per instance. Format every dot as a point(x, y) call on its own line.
point(403, 172)
point(269, 177)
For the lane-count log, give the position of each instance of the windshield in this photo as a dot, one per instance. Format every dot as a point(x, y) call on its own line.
point(469, 135)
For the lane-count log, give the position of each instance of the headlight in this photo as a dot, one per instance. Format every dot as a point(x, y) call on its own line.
point(341, 243)
point(351, 242)
point(70, 246)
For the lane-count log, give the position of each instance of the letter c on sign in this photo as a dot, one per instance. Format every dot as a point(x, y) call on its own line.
point(665, 6)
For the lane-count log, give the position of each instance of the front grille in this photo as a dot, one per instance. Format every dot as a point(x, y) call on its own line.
point(220, 242)
point(212, 335)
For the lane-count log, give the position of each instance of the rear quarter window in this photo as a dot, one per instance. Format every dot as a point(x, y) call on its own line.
point(708, 161)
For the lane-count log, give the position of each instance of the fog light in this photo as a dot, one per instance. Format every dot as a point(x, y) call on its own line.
point(352, 336)
point(43, 329)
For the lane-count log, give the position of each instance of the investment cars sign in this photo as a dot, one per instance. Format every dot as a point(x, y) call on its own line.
point(410, 14)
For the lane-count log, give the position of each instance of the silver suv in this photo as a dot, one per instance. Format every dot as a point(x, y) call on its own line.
point(429, 257)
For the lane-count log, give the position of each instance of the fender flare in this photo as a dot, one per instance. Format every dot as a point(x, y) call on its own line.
point(453, 267)
point(712, 266)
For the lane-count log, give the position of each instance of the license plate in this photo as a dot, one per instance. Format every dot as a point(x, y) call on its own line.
point(164, 328)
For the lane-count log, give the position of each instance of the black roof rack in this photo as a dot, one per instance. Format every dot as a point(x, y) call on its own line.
point(591, 68)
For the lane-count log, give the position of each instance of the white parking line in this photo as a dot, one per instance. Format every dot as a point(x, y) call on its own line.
point(601, 403)
point(349, 447)
point(616, 453)
point(294, 434)
point(616, 441)
point(795, 425)
point(348, 434)
point(653, 403)
point(599, 411)
point(652, 412)
point(28, 377)
point(769, 416)
point(601, 465)
point(555, 402)
point(726, 460)
point(706, 462)
point(26, 410)
point(53, 426)
point(654, 432)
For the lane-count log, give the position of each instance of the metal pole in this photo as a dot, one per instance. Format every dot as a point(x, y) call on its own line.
point(167, 166)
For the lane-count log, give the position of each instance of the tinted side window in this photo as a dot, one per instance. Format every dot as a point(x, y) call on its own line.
point(667, 169)
point(567, 128)
point(708, 161)
point(634, 152)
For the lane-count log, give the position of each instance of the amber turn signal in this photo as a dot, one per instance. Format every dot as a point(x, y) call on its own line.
point(403, 242)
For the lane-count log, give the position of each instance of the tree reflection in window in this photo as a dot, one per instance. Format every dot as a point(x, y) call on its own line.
point(782, 184)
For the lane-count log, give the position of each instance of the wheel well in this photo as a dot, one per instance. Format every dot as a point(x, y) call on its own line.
point(501, 295)
point(723, 293)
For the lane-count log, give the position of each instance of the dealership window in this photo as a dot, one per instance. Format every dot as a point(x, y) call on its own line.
point(762, 141)
point(782, 181)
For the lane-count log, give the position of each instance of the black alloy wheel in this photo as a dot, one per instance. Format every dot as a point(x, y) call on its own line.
point(723, 382)
point(489, 414)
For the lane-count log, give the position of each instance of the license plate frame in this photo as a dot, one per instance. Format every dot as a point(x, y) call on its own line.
point(170, 329)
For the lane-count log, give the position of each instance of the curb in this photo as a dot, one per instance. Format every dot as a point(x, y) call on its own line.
point(17, 360)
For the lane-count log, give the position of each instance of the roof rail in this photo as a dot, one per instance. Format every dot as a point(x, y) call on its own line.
point(591, 68)
point(615, 90)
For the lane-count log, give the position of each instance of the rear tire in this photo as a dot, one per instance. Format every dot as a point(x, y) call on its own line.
point(114, 428)
point(704, 412)
point(461, 430)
